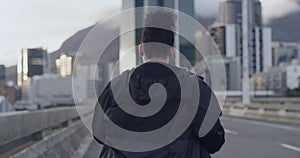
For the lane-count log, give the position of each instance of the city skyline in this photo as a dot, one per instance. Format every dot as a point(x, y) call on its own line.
point(23, 28)
point(127, 78)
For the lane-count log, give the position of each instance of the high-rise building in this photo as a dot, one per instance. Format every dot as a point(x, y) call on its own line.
point(239, 33)
point(230, 12)
point(8, 90)
point(233, 72)
point(64, 65)
point(90, 79)
point(132, 39)
point(2, 73)
point(11, 74)
point(51, 89)
point(32, 62)
point(259, 37)
point(224, 36)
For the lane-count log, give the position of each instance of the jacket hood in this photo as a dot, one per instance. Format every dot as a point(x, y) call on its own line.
point(140, 79)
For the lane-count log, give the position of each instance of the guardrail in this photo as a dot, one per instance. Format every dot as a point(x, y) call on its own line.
point(18, 128)
point(276, 110)
point(268, 100)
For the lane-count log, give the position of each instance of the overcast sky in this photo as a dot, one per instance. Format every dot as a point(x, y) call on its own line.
point(271, 8)
point(47, 23)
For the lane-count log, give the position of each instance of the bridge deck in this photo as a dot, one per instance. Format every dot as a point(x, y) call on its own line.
point(249, 138)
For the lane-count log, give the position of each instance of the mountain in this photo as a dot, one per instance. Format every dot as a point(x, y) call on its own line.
point(286, 28)
point(72, 45)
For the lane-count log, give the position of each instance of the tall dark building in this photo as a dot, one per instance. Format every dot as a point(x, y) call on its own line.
point(132, 39)
point(224, 36)
point(230, 12)
point(31, 63)
point(2, 73)
point(11, 74)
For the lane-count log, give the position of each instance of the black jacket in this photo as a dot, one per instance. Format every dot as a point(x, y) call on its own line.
point(188, 145)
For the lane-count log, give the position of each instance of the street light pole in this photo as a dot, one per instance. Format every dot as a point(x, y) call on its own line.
point(177, 42)
point(246, 84)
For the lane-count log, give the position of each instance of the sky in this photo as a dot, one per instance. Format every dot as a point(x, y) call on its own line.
point(271, 8)
point(48, 23)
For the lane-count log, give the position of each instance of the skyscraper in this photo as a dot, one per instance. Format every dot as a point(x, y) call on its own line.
point(132, 38)
point(230, 12)
point(64, 65)
point(2, 73)
point(259, 37)
point(32, 62)
point(240, 35)
point(224, 36)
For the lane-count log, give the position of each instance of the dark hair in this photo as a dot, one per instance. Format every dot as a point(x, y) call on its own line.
point(158, 28)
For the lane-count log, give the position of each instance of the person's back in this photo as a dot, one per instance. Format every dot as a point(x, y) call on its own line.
point(138, 81)
point(188, 145)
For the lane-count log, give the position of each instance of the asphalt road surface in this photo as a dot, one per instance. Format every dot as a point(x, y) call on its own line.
point(247, 138)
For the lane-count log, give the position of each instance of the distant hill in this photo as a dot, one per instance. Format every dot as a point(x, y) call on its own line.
point(286, 28)
point(72, 44)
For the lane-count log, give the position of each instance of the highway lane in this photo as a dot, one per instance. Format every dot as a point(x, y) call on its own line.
point(246, 138)
point(93, 151)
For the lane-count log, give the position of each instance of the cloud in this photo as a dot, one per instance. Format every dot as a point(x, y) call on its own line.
point(279, 8)
point(297, 1)
point(206, 8)
point(271, 8)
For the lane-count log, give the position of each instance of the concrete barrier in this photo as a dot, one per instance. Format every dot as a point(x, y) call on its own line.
point(19, 124)
point(269, 100)
point(266, 111)
point(20, 128)
point(61, 144)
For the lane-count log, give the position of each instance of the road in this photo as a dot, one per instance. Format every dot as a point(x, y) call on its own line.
point(246, 138)
point(258, 139)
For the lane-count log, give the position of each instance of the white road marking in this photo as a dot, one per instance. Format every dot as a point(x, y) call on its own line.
point(261, 123)
point(228, 131)
point(290, 147)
